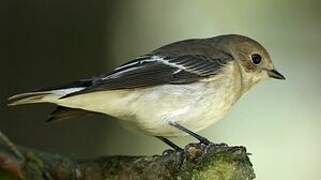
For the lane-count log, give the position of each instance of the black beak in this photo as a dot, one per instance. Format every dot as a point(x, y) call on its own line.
point(275, 74)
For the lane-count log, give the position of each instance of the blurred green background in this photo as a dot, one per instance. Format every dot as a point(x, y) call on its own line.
point(51, 42)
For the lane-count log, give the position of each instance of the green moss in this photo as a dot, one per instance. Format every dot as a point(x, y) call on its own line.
point(217, 172)
point(223, 166)
point(35, 160)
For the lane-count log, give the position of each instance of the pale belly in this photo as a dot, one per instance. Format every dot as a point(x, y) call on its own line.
point(194, 107)
point(149, 110)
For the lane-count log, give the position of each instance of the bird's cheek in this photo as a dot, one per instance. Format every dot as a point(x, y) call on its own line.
point(265, 75)
point(249, 67)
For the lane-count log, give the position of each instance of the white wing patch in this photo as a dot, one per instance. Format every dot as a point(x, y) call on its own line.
point(144, 59)
point(166, 61)
point(154, 58)
point(63, 92)
point(138, 62)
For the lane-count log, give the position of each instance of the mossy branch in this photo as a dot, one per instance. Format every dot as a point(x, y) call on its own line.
point(216, 162)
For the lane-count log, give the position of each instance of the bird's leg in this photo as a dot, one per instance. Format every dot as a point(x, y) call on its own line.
point(202, 139)
point(170, 143)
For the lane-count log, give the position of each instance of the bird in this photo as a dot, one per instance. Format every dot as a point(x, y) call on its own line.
point(175, 90)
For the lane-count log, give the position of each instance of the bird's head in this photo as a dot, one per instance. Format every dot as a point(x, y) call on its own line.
point(253, 59)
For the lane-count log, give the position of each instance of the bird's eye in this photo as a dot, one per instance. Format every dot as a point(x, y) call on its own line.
point(256, 58)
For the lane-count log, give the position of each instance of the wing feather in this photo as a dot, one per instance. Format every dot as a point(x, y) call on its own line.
point(154, 70)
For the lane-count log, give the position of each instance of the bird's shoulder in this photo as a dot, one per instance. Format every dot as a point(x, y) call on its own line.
point(206, 47)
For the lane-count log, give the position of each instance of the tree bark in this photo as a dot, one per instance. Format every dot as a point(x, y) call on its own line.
point(197, 161)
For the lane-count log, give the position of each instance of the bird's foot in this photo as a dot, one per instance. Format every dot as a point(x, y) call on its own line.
point(204, 140)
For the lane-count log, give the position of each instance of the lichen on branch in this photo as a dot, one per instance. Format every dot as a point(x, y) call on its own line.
point(197, 161)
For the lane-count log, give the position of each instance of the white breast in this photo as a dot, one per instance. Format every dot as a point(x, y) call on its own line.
point(195, 106)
